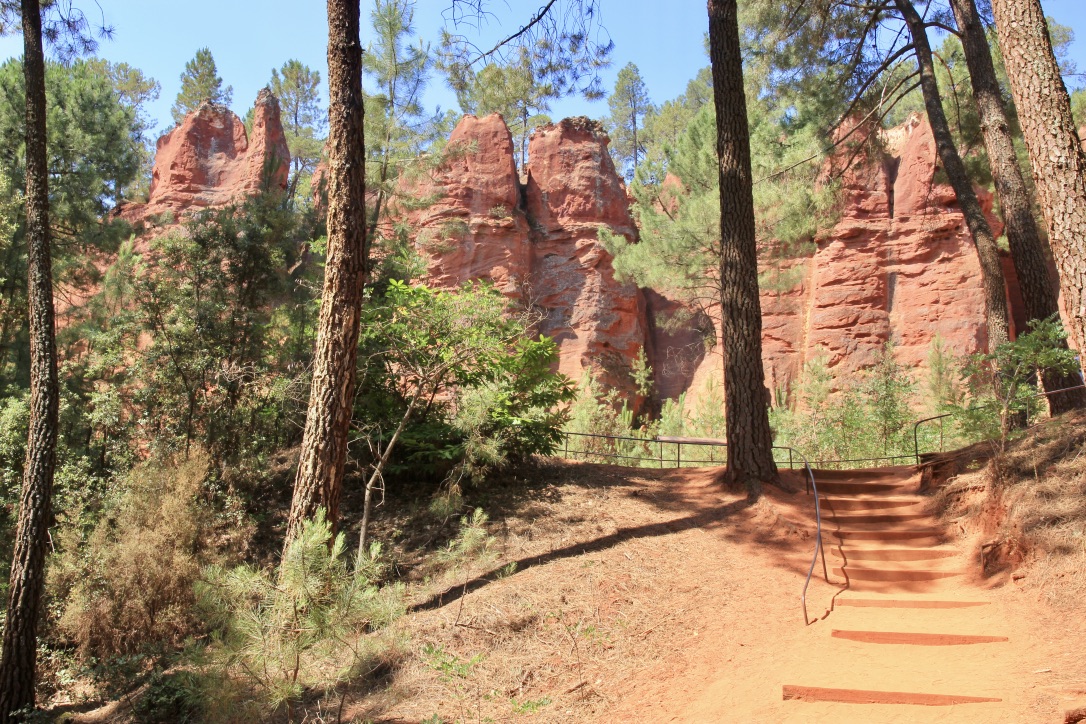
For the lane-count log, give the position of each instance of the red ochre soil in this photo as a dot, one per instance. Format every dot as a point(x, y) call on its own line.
point(656, 596)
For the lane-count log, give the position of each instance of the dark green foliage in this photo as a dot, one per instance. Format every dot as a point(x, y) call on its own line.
point(679, 222)
point(200, 83)
point(135, 90)
point(93, 154)
point(218, 306)
point(298, 90)
point(477, 390)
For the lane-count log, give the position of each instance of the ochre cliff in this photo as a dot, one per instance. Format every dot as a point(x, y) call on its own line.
point(899, 264)
point(537, 241)
point(209, 160)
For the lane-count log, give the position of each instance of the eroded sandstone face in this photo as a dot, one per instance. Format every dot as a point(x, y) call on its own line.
point(209, 160)
point(572, 191)
point(538, 242)
point(905, 272)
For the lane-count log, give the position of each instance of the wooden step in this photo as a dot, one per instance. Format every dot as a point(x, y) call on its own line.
point(892, 575)
point(853, 553)
point(906, 603)
point(861, 696)
point(835, 504)
point(916, 639)
point(861, 488)
point(912, 535)
point(880, 519)
point(903, 473)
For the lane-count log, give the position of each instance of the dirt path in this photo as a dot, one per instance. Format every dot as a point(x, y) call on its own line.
point(654, 596)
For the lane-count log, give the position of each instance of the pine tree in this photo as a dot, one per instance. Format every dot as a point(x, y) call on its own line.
point(750, 440)
point(629, 105)
point(199, 83)
point(135, 90)
point(395, 119)
point(991, 267)
point(1055, 152)
point(18, 660)
point(1023, 236)
point(515, 91)
point(298, 90)
point(319, 481)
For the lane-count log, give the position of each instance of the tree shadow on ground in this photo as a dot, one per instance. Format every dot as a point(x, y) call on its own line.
point(693, 493)
point(700, 520)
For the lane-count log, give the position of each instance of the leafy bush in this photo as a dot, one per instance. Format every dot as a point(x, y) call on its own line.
point(869, 421)
point(453, 379)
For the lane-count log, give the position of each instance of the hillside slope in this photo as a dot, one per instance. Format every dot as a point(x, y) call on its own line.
point(652, 595)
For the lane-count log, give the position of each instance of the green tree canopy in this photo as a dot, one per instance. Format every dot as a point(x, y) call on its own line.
point(679, 219)
point(516, 92)
point(136, 91)
point(200, 82)
point(398, 129)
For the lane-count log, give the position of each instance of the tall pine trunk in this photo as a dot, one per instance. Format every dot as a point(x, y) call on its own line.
point(1027, 249)
point(991, 268)
point(19, 659)
point(1055, 153)
point(331, 397)
point(750, 440)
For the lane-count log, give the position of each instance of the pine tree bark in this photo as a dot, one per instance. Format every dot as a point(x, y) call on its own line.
point(331, 399)
point(19, 658)
point(1027, 250)
point(750, 440)
point(1055, 153)
point(991, 268)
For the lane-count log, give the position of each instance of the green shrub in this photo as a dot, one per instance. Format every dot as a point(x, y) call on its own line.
point(999, 381)
point(303, 626)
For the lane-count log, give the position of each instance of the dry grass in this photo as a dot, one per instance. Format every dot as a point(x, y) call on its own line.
point(1026, 507)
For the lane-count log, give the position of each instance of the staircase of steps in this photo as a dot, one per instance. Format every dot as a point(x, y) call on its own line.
point(908, 630)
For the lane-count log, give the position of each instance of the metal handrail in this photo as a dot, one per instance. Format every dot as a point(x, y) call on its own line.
point(662, 440)
point(819, 547)
point(916, 426)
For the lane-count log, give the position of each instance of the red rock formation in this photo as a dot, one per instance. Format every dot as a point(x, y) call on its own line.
point(899, 265)
point(210, 161)
point(538, 243)
point(475, 229)
point(572, 191)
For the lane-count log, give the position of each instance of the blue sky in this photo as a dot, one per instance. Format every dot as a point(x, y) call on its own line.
point(248, 39)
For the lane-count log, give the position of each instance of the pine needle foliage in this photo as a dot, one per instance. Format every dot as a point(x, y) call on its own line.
point(306, 625)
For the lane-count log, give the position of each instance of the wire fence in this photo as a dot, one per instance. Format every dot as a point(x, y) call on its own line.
point(683, 452)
